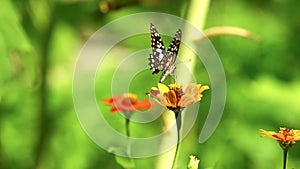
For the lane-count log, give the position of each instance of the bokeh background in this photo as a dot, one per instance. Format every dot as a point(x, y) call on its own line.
point(40, 41)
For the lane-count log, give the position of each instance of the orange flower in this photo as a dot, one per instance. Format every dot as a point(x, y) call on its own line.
point(173, 97)
point(127, 103)
point(284, 136)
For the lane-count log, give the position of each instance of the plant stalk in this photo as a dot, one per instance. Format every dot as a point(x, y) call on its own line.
point(178, 116)
point(196, 14)
point(285, 150)
point(127, 122)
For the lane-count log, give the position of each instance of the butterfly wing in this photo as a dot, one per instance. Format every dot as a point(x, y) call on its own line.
point(174, 46)
point(169, 60)
point(167, 72)
point(160, 59)
point(158, 50)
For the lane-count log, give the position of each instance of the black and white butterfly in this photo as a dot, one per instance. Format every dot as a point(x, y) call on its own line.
point(160, 59)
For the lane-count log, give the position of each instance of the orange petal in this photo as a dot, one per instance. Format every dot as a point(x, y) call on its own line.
point(107, 100)
point(132, 97)
point(191, 88)
point(171, 99)
point(144, 104)
point(279, 137)
point(195, 90)
point(162, 100)
point(114, 110)
point(187, 100)
point(268, 134)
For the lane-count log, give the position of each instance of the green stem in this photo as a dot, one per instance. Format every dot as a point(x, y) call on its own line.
point(45, 118)
point(127, 122)
point(176, 152)
point(178, 124)
point(285, 150)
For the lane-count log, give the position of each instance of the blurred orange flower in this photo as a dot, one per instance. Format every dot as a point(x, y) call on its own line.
point(284, 136)
point(173, 97)
point(127, 103)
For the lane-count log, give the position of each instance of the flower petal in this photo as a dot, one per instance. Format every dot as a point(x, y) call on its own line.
point(162, 88)
point(108, 101)
point(187, 100)
point(203, 88)
point(127, 103)
point(171, 99)
point(267, 133)
point(284, 136)
point(114, 110)
point(144, 104)
point(191, 88)
point(297, 135)
point(154, 92)
point(172, 96)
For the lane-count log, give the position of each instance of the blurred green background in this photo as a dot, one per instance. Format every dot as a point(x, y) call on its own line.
point(40, 41)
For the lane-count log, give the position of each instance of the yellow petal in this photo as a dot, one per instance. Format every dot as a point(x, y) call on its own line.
point(163, 88)
point(296, 135)
point(267, 133)
point(202, 88)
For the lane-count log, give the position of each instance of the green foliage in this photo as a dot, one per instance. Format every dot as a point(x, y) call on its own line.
point(125, 162)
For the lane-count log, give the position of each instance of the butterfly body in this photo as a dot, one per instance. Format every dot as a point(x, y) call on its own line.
point(160, 59)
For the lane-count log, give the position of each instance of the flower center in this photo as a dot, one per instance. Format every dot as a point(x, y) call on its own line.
point(178, 91)
point(287, 133)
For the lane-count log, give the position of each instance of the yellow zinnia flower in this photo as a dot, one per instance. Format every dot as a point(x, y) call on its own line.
point(285, 137)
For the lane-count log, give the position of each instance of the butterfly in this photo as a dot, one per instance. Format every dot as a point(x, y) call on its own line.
point(160, 59)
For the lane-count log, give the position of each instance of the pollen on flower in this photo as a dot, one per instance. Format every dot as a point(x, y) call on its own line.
point(175, 85)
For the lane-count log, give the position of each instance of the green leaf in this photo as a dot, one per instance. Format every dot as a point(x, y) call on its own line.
point(17, 55)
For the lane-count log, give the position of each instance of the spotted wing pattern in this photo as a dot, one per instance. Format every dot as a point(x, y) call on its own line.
point(158, 50)
point(160, 59)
